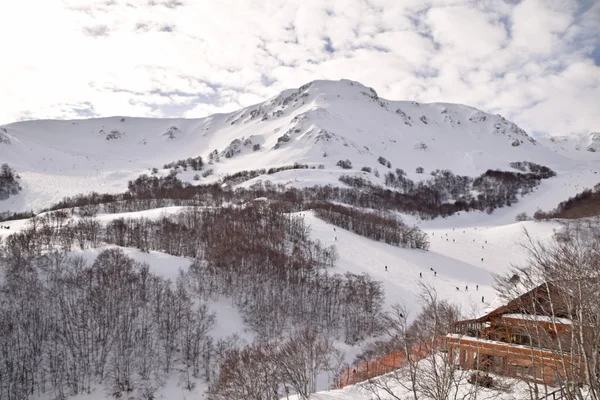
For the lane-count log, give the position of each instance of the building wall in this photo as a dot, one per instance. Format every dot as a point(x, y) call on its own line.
point(510, 360)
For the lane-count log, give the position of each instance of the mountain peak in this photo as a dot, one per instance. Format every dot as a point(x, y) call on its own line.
point(584, 145)
point(319, 124)
point(323, 89)
point(334, 86)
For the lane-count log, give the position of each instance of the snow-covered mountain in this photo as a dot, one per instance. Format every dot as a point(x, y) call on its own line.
point(576, 145)
point(318, 123)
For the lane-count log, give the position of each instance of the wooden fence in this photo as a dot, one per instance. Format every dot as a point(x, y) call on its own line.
point(387, 363)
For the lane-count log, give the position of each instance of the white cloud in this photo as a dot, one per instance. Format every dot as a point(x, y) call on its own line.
point(538, 24)
point(465, 31)
point(529, 61)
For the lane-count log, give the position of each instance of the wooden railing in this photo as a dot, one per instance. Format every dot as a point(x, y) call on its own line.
point(469, 328)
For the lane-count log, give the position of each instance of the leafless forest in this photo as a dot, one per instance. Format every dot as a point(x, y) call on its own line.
point(68, 325)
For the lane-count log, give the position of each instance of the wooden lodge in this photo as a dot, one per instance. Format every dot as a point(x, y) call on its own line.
point(527, 338)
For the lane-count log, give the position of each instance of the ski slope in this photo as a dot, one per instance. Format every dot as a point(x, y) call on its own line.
point(455, 254)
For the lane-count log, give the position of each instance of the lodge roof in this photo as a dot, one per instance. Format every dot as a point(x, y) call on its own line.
point(534, 302)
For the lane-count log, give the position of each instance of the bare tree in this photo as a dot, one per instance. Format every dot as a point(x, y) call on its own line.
point(249, 373)
point(567, 272)
point(302, 358)
point(404, 377)
point(424, 369)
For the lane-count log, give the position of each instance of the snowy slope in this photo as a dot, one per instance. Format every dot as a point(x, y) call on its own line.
point(464, 390)
point(319, 123)
point(455, 254)
point(584, 146)
point(228, 320)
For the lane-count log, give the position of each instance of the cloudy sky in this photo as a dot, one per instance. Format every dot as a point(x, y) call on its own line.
point(536, 62)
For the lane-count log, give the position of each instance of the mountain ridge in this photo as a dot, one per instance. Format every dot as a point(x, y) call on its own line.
point(319, 123)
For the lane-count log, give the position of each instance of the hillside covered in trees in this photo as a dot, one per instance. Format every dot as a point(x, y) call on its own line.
point(9, 182)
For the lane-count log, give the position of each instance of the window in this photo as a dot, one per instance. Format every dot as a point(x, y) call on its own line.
point(522, 339)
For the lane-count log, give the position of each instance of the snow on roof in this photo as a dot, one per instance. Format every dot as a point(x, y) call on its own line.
point(539, 318)
point(494, 342)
